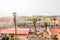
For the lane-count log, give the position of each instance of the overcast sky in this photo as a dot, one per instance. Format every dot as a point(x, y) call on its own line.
point(29, 7)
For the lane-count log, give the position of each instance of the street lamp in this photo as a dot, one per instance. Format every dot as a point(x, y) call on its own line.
point(15, 24)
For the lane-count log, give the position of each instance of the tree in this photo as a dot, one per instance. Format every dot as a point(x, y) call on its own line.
point(14, 19)
point(34, 22)
point(45, 24)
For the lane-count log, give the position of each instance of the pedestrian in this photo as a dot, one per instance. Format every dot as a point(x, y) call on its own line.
point(11, 37)
point(5, 37)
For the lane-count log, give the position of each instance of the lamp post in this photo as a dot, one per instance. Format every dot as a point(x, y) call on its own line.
point(15, 24)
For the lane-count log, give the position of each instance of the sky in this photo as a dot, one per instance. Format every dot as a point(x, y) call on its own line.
point(29, 7)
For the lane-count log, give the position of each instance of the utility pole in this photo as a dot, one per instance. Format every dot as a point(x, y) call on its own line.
point(15, 25)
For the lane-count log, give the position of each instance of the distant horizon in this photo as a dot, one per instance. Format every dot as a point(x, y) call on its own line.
point(30, 16)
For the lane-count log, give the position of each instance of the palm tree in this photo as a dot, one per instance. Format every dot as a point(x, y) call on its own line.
point(45, 24)
point(14, 19)
point(34, 22)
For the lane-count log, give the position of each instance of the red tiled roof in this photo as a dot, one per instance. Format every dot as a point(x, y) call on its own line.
point(55, 30)
point(12, 31)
